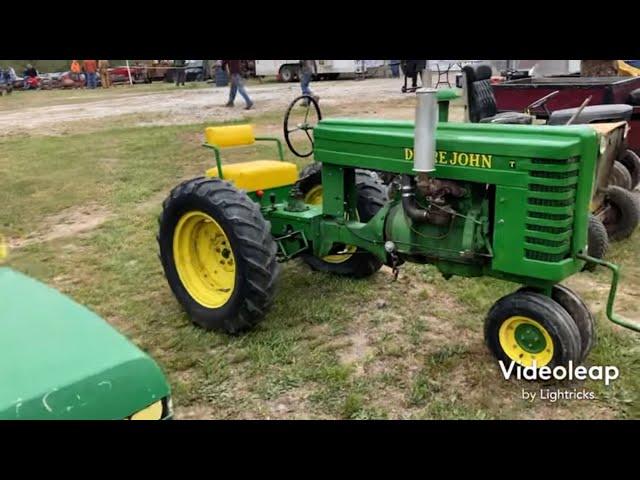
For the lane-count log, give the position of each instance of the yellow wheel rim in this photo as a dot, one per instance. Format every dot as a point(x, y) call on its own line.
point(524, 341)
point(314, 197)
point(4, 249)
point(204, 259)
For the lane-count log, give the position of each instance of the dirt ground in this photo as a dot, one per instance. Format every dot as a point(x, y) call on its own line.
point(192, 105)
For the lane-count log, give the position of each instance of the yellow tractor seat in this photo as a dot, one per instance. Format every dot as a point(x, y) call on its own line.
point(258, 174)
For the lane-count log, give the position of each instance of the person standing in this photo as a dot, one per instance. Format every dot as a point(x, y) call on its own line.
point(180, 72)
point(395, 68)
point(75, 72)
point(307, 70)
point(90, 68)
point(29, 76)
point(105, 77)
point(237, 83)
point(413, 68)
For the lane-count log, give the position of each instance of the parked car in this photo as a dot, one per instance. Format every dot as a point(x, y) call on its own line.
point(51, 80)
point(68, 80)
point(157, 69)
point(139, 74)
point(196, 71)
point(6, 82)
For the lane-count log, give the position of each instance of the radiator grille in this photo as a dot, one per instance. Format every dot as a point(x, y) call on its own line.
point(550, 208)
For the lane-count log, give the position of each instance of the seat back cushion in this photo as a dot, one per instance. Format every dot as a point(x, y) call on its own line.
point(230, 135)
point(480, 98)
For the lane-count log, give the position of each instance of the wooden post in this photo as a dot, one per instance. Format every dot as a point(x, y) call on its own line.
point(129, 72)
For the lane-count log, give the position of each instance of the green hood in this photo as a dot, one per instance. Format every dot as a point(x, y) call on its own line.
point(59, 360)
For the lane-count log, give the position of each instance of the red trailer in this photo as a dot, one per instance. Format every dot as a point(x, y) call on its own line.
point(516, 95)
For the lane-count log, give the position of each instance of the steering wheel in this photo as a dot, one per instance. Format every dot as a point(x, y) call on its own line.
point(305, 126)
point(542, 102)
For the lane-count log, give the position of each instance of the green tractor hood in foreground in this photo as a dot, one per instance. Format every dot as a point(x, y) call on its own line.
point(59, 360)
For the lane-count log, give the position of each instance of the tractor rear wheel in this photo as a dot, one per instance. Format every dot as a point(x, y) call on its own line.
point(527, 327)
point(631, 160)
point(218, 254)
point(620, 176)
point(623, 213)
point(346, 260)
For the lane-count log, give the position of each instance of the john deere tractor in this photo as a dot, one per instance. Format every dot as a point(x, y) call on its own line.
point(507, 201)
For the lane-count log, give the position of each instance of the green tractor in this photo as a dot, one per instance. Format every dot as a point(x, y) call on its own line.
point(507, 201)
point(60, 361)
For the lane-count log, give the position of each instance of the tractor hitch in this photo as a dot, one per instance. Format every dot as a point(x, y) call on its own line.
point(615, 270)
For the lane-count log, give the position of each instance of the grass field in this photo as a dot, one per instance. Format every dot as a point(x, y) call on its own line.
point(81, 210)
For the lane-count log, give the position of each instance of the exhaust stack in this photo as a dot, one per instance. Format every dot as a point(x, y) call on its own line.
point(424, 146)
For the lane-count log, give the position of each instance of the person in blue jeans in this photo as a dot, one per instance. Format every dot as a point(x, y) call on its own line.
point(237, 83)
point(90, 68)
point(92, 81)
point(395, 68)
point(307, 69)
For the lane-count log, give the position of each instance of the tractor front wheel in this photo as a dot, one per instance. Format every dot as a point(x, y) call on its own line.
point(346, 260)
point(527, 327)
point(218, 254)
point(581, 315)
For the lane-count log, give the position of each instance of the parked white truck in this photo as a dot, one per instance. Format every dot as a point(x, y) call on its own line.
point(288, 70)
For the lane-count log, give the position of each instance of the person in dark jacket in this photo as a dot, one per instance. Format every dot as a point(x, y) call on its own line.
point(181, 73)
point(413, 68)
point(29, 72)
point(237, 83)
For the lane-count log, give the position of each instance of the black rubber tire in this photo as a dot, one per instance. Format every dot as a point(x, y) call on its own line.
point(581, 315)
point(631, 160)
point(620, 176)
point(372, 195)
point(547, 312)
point(286, 73)
point(627, 213)
point(253, 246)
point(598, 240)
